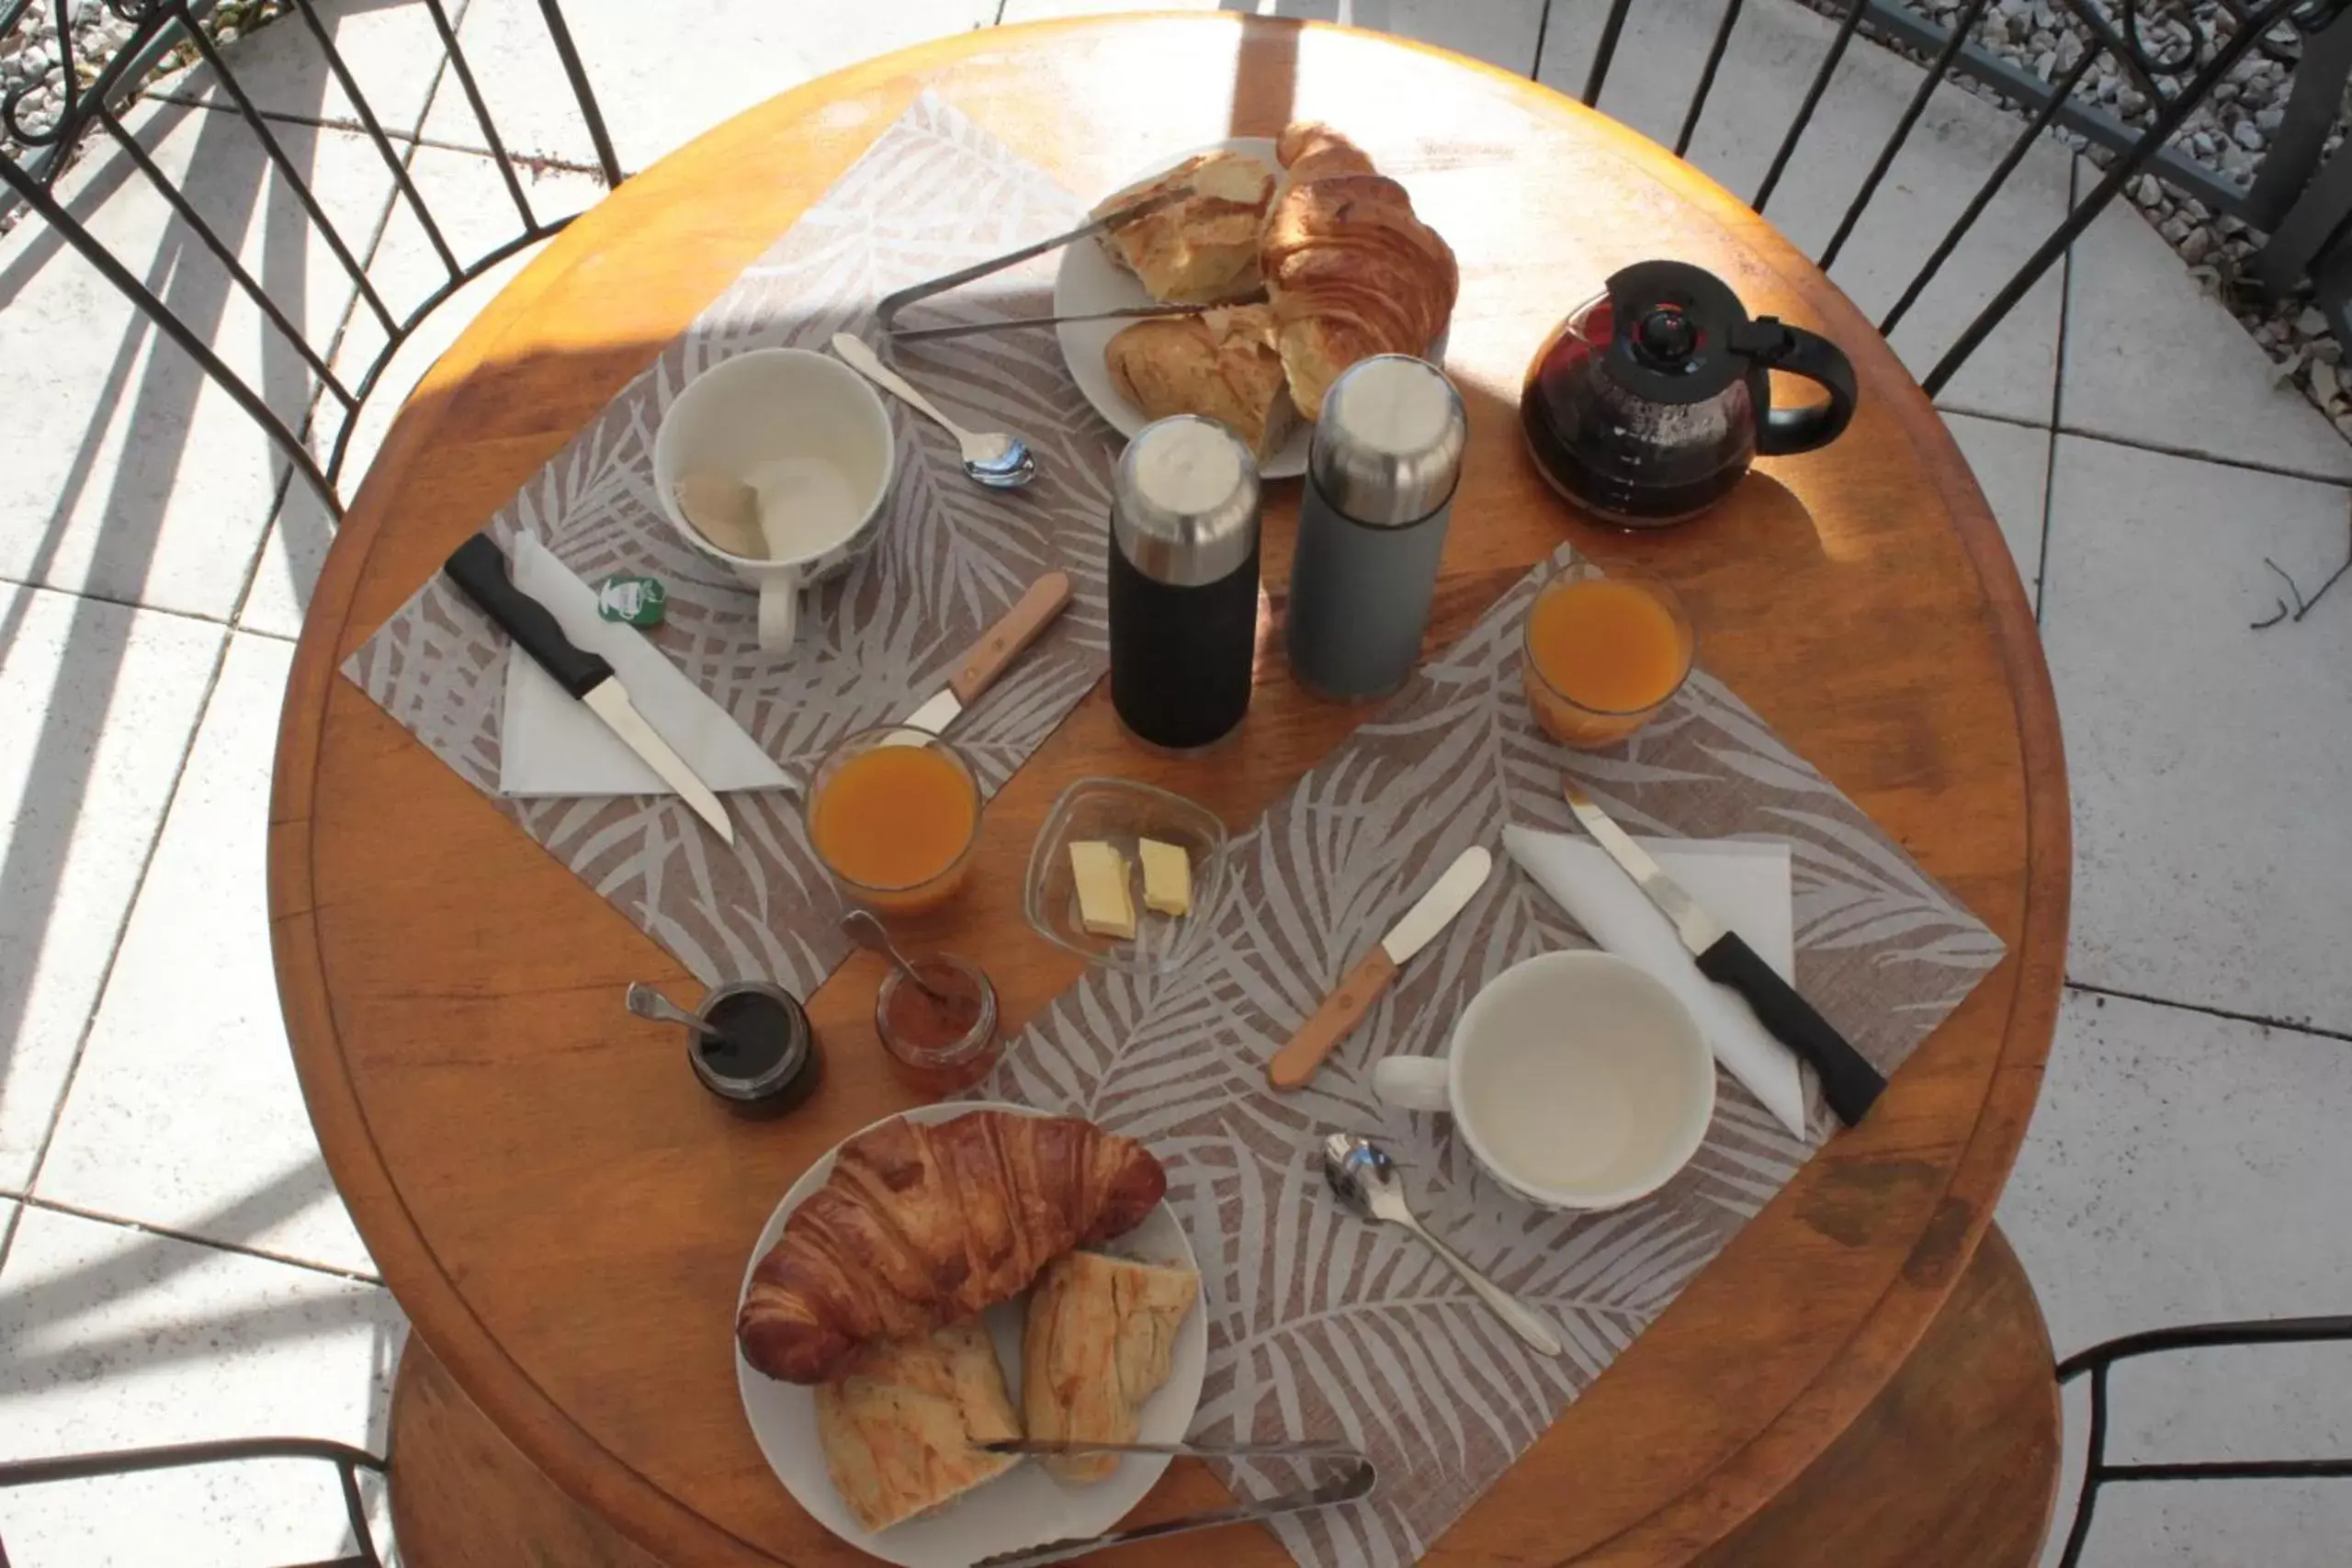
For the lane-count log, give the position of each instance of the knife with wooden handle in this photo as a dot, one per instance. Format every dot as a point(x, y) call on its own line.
point(997, 648)
point(1370, 979)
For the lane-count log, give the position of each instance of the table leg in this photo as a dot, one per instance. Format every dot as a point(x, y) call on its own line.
point(465, 1497)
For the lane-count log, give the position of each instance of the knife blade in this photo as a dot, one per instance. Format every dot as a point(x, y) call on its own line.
point(1345, 1007)
point(1851, 1084)
point(479, 570)
point(993, 653)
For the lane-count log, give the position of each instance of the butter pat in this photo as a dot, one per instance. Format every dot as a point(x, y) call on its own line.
point(1104, 906)
point(1167, 878)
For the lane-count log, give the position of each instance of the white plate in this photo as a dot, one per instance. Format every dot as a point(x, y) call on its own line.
point(1024, 1506)
point(1089, 281)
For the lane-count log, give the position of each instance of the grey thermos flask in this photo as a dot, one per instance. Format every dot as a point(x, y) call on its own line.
point(1183, 582)
point(1380, 481)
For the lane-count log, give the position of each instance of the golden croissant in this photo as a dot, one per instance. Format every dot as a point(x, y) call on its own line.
point(918, 1225)
point(1349, 270)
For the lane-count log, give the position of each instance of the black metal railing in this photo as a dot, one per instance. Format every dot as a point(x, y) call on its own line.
point(2287, 191)
point(2100, 1360)
point(95, 105)
point(347, 1462)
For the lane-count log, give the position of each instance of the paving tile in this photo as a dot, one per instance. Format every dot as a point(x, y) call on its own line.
point(2151, 359)
point(391, 47)
point(184, 1150)
point(1500, 32)
point(111, 431)
point(661, 84)
point(2012, 466)
point(2208, 761)
point(1775, 49)
point(97, 703)
point(112, 1337)
point(2187, 1168)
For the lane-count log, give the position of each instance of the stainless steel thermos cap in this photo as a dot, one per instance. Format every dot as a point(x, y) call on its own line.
point(1387, 449)
point(1185, 502)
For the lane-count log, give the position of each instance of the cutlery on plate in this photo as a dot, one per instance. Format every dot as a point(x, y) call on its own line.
point(997, 649)
point(1353, 1482)
point(479, 569)
point(994, 458)
point(885, 311)
point(1851, 1084)
point(1344, 1008)
point(1365, 1179)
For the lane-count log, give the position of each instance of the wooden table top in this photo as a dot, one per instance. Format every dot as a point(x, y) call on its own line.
point(565, 1214)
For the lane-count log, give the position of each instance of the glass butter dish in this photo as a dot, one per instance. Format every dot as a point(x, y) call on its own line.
point(1122, 812)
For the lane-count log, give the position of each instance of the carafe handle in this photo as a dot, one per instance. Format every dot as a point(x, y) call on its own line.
point(1800, 352)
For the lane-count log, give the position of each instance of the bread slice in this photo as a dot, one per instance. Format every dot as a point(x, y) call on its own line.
point(1223, 363)
point(1203, 248)
point(1099, 1339)
point(898, 1432)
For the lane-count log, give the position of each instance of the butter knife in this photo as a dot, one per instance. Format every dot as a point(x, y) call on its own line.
point(997, 648)
point(1851, 1084)
point(1370, 979)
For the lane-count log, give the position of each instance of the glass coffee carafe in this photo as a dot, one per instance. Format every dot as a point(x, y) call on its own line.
point(1648, 403)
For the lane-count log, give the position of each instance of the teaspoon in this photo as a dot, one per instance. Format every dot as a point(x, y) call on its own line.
point(991, 457)
point(1365, 1179)
point(871, 934)
point(648, 1003)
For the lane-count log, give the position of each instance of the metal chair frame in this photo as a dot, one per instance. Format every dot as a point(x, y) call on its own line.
point(159, 26)
point(2100, 1360)
point(348, 1461)
point(2051, 104)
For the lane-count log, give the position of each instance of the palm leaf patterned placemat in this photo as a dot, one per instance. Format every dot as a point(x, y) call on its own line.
point(933, 194)
point(1321, 1325)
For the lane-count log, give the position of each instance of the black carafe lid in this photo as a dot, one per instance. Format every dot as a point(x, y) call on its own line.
point(1677, 333)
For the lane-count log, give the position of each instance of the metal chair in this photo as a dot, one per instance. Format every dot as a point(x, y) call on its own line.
point(347, 1462)
point(2100, 1360)
point(2286, 194)
point(93, 96)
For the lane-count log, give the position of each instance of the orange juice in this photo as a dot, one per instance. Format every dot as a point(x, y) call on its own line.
point(1603, 655)
point(892, 822)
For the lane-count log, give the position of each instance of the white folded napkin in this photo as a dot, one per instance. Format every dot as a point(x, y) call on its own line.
point(1744, 885)
point(552, 743)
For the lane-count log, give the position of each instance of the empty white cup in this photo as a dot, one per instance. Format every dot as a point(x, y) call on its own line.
point(1577, 1079)
point(811, 438)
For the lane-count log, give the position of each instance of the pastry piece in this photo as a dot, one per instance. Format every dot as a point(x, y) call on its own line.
point(1349, 270)
point(1105, 907)
point(1167, 876)
point(1098, 1340)
point(901, 1433)
point(1203, 248)
point(918, 1225)
point(1223, 363)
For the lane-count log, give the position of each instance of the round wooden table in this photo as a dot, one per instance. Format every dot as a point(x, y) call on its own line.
point(564, 1213)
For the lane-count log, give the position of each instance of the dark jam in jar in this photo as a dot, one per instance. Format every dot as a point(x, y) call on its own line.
point(1634, 463)
point(941, 1043)
point(767, 1061)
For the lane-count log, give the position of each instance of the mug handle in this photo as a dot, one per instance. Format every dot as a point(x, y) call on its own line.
point(779, 610)
point(1412, 1083)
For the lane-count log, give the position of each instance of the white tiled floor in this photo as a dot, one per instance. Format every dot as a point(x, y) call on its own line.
point(183, 1266)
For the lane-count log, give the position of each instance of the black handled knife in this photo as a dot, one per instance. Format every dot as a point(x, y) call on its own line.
point(479, 569)
point(1851, 1084)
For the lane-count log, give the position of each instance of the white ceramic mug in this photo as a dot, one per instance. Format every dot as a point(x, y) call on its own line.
point(811, 438)
point(1577, 1079)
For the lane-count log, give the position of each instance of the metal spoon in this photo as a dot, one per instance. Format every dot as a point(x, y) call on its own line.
point(992, 459)
point(1365, 1179)
point(647, 1002)
point(871, 934)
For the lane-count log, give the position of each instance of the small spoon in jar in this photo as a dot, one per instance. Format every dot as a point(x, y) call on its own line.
point(648, 1003)
point(863, 928)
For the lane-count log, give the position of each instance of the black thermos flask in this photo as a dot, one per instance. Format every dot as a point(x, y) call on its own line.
point(1183, 582)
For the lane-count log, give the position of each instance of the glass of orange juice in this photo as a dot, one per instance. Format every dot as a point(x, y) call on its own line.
point(1603, 652)
point(893, 813)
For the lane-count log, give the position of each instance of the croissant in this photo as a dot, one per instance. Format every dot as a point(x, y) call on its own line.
point(1349, 270)
point(918, 1225)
